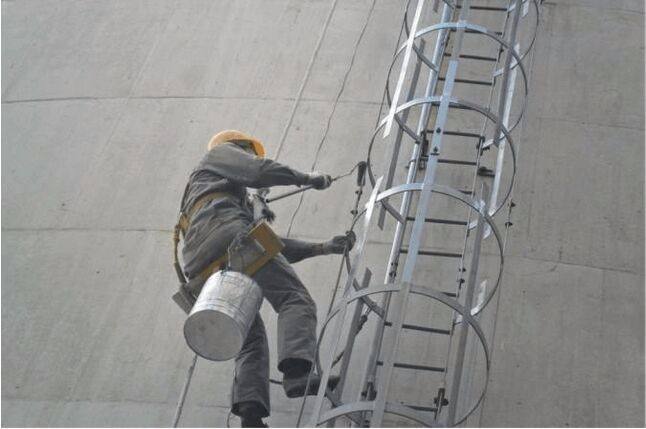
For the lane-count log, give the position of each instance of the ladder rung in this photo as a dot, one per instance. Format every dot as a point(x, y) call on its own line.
point(421, 408)
point(474, 57)
point(470, 31)
point(456, 161)
point(436, 220)
point(469, 81)
point(417, 367)
point(491, 8)
point(422, 328)
point(461, 107)
point(460, 134)
point(433, 253)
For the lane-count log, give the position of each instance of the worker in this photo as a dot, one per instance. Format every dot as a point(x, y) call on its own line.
point(235, 161)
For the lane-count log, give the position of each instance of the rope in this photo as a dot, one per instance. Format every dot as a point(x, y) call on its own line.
point(182, 398)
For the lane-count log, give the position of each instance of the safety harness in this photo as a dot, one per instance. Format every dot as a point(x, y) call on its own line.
point(182, 225)
point(251, 250)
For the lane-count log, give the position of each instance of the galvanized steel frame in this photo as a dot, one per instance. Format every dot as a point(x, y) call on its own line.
point(454, 24)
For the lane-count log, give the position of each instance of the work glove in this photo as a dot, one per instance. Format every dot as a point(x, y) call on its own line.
point(339, 243)
point(319, 181)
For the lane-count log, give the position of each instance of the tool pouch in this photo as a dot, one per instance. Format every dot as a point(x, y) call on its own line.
point(247, 254)
point(256, 248)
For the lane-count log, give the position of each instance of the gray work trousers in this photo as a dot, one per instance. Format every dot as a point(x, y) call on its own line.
point(296, 332)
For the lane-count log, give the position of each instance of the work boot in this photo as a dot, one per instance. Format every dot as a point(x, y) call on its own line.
point(295, 386)
point(251, 413)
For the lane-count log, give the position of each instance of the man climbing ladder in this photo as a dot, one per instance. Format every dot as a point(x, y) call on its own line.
point(216, 210)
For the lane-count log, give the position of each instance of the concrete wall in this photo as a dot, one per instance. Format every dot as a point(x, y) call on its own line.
point(106, 107)
point(569, 345)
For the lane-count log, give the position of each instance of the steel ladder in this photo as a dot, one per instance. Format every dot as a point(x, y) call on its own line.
point(488, 158)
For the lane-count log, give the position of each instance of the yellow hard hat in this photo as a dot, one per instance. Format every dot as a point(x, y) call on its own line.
point(229, 135)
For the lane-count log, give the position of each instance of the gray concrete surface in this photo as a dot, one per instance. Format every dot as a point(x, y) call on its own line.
point(106, 106)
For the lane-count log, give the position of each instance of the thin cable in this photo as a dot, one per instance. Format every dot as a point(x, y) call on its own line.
point(182, 397)
point(308, 70)
point(336, 102)
point(346, 255)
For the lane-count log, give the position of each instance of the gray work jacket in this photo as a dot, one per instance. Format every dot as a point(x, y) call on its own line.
point(226, 168)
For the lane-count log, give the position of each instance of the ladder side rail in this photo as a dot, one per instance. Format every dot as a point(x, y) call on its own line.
point(368, 373)
point(464, 327)
point(469, 211)
point(417, 228)
point(326, 365)
point(400, 133)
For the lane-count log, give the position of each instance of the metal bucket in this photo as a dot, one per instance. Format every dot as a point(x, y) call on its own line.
point(222, 315)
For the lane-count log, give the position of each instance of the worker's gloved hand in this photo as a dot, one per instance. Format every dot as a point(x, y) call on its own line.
point(338, 244)
point(319, 181)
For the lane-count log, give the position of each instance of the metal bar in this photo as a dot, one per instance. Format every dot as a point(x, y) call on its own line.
point(502, 104)
point(360, 247)
point(423, 329)
point(404, 250)
point(474, 57)
point(470, 31)
point(471, 81)
point(416, 367)
point(443, 221)
point(400, 133)
point(463, 134)
point(415, 242)
point(402, 74)
point(347, 351)
point(490, 8)
point(464, 329)
point(368, 374)
point(502, 141)
point(457, 162)
point(422, 408)
point(475, 176)
point(349, 344)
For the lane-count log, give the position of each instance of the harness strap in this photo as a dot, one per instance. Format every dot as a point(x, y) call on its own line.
point(185, 216)
point(260, 233)
point(182, 226)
